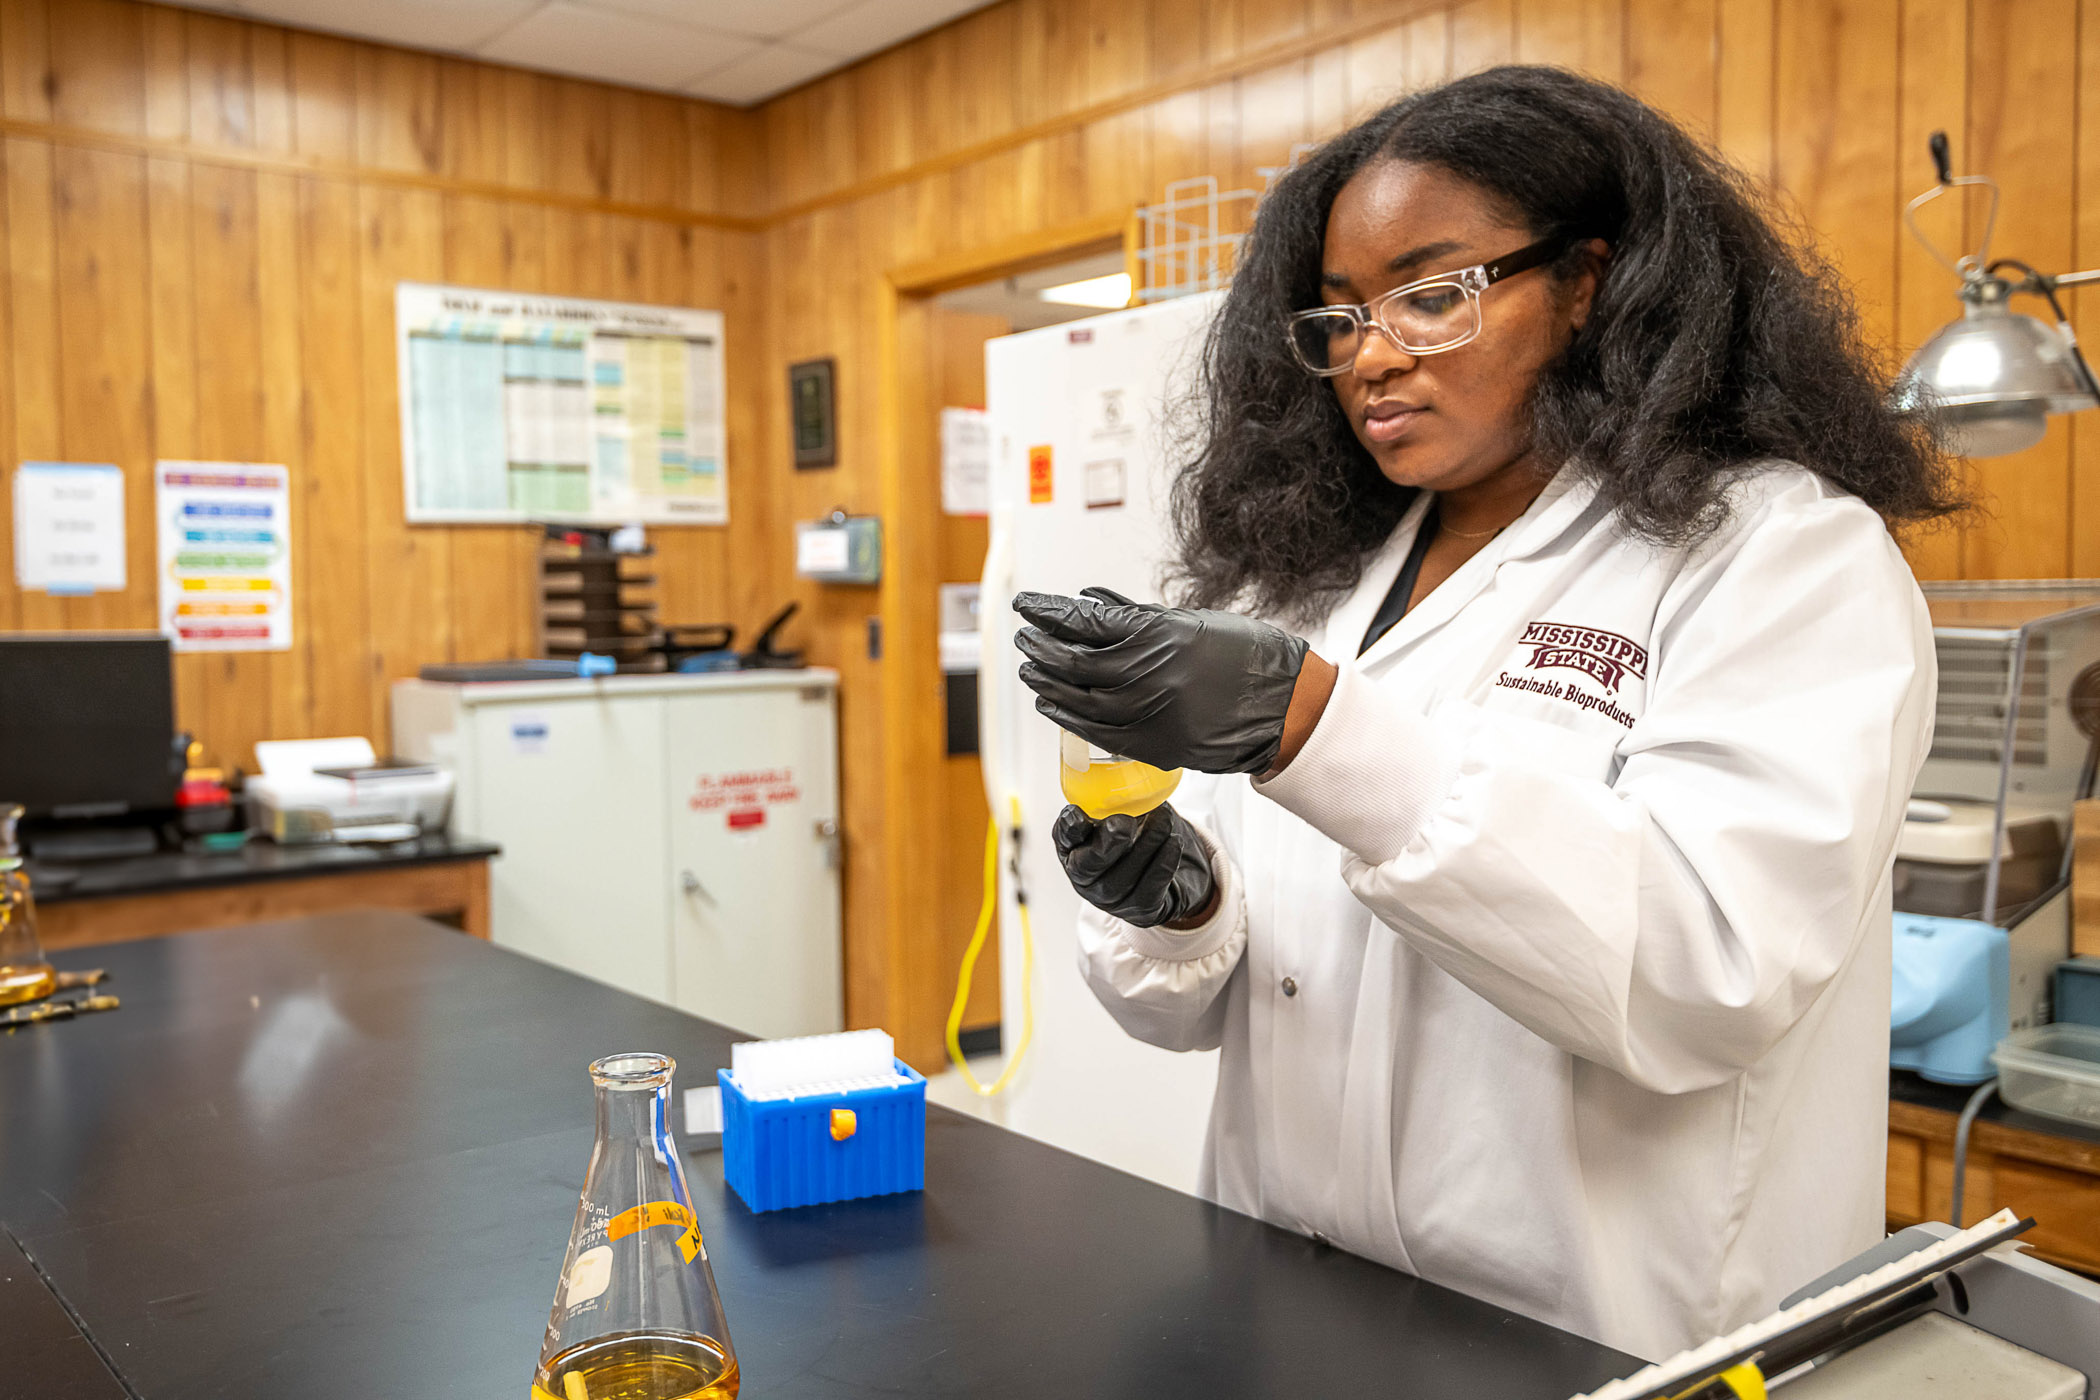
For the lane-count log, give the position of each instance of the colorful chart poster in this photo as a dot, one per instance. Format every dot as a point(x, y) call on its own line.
point(225, 555)
point(519, 408)
point(69, 527)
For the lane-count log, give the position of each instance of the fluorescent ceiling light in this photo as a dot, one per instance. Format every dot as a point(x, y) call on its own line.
point(1108, 292)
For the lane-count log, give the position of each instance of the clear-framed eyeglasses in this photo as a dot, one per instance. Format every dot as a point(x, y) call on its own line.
point(1423, 318)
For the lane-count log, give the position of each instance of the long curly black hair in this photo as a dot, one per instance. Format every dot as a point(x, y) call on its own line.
point(1714, 342)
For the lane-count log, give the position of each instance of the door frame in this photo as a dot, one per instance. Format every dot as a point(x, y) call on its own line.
point(904, 984)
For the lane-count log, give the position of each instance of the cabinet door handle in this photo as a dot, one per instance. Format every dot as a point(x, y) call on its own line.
point(828, 833)
point(690, 883)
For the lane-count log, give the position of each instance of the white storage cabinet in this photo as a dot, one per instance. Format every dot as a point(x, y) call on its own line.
point(675, 836)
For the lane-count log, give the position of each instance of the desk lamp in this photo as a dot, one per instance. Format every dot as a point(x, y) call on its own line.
point(1993, 376)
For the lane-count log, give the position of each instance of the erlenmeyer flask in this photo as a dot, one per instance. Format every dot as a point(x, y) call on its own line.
point(1102, 784)
point(636, 1315)
point(25, 975)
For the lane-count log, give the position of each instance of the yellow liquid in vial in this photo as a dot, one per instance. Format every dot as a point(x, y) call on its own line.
point(26, 982)
point(639, 1366)
point(1103, 787)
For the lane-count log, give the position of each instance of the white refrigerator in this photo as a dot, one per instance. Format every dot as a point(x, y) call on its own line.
point(1082, 421)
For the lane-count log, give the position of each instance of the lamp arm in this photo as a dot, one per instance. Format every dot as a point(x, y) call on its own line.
point(2043, 285)
point(1964, 266)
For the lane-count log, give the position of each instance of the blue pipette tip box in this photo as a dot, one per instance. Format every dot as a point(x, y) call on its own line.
point(778, 1153)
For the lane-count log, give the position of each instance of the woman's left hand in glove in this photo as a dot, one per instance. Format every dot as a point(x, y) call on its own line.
point(1174, 687)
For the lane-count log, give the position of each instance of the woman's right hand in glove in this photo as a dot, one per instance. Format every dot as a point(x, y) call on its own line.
point(1148, 870)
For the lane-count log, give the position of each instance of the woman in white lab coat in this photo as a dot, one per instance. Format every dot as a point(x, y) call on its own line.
point(1547, 936)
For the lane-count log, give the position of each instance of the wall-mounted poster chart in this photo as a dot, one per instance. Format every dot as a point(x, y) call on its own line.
point(518, 407)
point(225, 555)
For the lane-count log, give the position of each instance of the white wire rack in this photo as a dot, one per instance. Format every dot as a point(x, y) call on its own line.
point(1190, 240)
point(1269, 173)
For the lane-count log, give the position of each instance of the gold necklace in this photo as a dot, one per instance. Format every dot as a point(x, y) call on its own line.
point(1462, 535)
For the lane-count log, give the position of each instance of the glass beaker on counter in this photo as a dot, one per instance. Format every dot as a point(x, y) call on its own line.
point(636, 1315)
point(25, 973)
point(1102, 784)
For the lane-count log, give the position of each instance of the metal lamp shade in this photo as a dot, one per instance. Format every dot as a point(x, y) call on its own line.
point(1994, 376)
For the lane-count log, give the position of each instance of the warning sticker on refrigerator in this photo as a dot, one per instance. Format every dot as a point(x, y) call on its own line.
point(1040, 480)
point(1110, 414)
point(1105, 483)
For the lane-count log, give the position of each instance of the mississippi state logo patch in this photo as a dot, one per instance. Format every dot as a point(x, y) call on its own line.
point(1605, 657)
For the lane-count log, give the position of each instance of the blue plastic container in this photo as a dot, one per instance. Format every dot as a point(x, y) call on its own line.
point(1952, 996)
point(778, 1153)
point(2078, 991)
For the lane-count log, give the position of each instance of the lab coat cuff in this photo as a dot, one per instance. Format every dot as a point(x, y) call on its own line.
point(1370, 774)
point(1188, 944)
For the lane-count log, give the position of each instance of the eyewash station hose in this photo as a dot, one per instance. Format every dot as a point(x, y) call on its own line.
point(994, 659)
point(987, 916)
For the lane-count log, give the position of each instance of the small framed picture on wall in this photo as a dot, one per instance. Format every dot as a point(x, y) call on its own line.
point(813, 409)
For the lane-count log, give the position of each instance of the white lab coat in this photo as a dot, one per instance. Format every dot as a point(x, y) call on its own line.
point(1586, 937)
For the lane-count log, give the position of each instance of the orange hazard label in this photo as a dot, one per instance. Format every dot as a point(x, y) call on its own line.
point(646, 1217)
point(1040, 479)
point(649, 1216)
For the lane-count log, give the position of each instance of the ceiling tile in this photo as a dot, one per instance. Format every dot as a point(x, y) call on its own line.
point(758, 75)
point(738, 51)
point(762, 19)
point(871, 25)
point(450, 25)
point(614, 47)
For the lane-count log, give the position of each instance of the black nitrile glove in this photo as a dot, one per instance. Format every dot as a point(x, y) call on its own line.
point(1147, 870)
point(1176, 687)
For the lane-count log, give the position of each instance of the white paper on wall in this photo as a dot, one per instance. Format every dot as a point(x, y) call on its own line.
point(69, 527)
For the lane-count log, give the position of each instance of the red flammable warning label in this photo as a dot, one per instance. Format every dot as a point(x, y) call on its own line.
point(758, 788)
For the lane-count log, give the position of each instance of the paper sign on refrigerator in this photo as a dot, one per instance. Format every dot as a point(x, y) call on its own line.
point(225, 555)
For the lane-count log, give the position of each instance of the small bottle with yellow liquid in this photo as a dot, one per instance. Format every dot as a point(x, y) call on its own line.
point(636, 1315)
point(1102, 784)
point(25, 974)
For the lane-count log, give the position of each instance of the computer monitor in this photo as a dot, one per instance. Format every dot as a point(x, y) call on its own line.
point(87, 723)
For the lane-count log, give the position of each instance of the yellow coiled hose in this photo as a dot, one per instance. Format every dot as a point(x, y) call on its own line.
point(986, 914)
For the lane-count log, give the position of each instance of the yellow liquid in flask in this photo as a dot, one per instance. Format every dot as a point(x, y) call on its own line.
point(21, 982)
point(1102, 785)
point(639, 1366)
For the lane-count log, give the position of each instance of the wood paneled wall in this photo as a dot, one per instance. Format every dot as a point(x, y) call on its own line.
point(1036, 113)
point(204, 223)
point(1032, 115)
